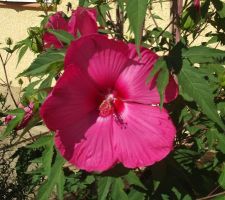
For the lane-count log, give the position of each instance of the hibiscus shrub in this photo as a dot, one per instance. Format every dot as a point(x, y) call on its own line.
point(124, 110)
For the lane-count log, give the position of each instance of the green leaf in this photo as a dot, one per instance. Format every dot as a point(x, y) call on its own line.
point(135, 194)
point(211, 136)
point(44, 63)
point(104, 184)
point(133, 179)
point(165, 197)
point(221, 108)
point(56, 178)
point(205, 9)
point(46, 157)
point(160, 67)
point(188, 22)
point(219, 197)
point(32, 122)
point(7, 49)
point(19, 114)
point(195, 86)
point(102, 10)
point(62, 35)
point(156, 17)
point(30, 88)
point(202, 54)
point(47, 82)
point(162, 82)
point(83, 3)
point(45, 141)
point(221, 179)
point(121, 4)
point(221, 141)
point(136, 11)
point(89, 179)
point(220, 7)
point(157, 67)
point(187, 197)
point(187, 19)
point(41, 142)
point(179, 195)
point(22, 52)
point(60, 186)
point(23, 47)
point(118, 190)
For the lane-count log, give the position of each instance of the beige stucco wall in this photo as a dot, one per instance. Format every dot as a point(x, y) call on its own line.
point(14, 24)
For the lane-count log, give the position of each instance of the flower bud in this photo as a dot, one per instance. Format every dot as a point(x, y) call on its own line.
point(20, 81)
point(9, 41)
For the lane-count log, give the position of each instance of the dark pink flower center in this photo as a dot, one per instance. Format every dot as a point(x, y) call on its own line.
point(106, 108)
point(110, 105)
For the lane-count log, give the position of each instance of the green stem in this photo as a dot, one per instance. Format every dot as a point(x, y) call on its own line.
point(6, 77)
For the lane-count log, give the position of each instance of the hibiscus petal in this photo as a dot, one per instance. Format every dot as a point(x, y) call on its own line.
point(69, 136)
point(136, 75)
point(57, 21)
point(146, 137)
point(171, 91)
point(51, 41)
point(72, 98)
point(147, 57)
point(84, 21)
point(92, 153)
point(104, 59)
point(28, 115)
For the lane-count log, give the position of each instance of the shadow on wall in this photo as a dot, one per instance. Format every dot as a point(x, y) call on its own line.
point(20, 6)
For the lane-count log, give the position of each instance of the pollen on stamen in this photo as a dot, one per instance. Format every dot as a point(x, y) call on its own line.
point(106, 108)
point(113, 106)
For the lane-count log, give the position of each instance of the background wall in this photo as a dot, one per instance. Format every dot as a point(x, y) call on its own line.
point(15, 21)
point(14, 24)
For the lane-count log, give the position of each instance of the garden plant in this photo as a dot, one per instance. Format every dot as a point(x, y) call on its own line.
point(130, 104)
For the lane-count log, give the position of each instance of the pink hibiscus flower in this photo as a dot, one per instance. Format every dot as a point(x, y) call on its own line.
point(56, 22)
point(83, 21)
point(103, 111)
point(28, 114)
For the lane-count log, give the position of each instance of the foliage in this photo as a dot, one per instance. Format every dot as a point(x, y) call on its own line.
point(196, 166)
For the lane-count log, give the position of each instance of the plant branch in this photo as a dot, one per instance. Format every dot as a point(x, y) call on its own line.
point(119, 21)
point(150, 12)
point(176, 10)
point(172, 21)
point(3, 81)
point(212, 196)
point(34, 138)
point(113, 25)
point(6, 77)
